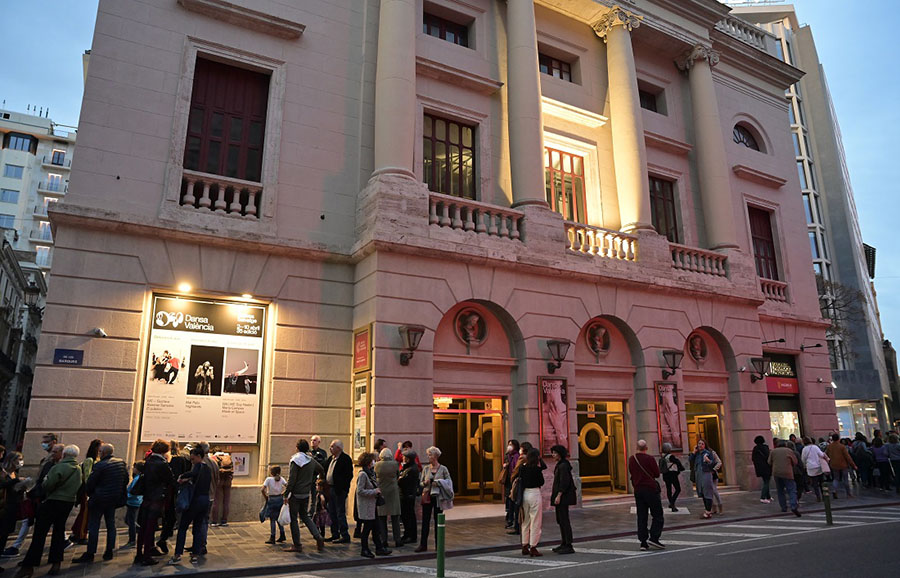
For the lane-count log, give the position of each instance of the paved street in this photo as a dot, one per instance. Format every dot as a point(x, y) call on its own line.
point(782, 546)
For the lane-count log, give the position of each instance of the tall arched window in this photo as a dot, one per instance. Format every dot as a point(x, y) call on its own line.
point(743, 136)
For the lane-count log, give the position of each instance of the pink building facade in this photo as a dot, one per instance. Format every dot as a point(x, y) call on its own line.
point(278, 188)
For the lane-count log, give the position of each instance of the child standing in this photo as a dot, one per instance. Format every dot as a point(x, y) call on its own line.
point(133, 503)
point(273, 492)
point(321, 518)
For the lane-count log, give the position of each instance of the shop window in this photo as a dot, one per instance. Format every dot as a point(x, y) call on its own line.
point(663, 210)
point(564, 184)
point(227, 121)
point(448, 155)
point(763, 243)
point(439, 27)
point(555, 67)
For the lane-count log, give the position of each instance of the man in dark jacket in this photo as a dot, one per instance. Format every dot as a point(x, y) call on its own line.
point(301, 484)
point(106, 489)
point(179, 463)
point(339, 474)
point(157, 482)
point(562, 496)
point(760, 457)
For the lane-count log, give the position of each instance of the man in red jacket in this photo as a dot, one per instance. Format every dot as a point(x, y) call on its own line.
point(644, 471)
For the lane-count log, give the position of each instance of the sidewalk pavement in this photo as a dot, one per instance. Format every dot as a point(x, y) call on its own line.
point(239, 548)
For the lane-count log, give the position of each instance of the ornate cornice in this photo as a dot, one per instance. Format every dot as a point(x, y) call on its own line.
point(699, 52)
point(617, 16)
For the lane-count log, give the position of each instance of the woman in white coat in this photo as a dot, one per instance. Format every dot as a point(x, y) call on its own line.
point(813, 458)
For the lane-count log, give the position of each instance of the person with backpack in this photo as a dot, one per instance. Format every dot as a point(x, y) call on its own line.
point(106, 490)
point(671, 468)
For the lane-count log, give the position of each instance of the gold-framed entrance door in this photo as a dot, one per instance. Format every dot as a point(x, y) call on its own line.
point(704, 422)
point(473, 428)
point(601, 446)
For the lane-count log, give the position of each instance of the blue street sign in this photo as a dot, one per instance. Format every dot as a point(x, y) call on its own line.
point(68, 356)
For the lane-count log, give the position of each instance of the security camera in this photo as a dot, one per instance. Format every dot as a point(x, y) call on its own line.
point(743, 368)
point(98, 332)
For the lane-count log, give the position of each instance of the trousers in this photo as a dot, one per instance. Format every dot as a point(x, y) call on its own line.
point(95, 513)
point(51, 514)
point(565, 525)
point(531, 517)
point(647, 500)
point(299, 506)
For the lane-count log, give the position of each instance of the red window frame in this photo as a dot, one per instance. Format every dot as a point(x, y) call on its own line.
point(555, 67)
point(663, 209)
point(444, 29)
point(763, 243)
point(448, 151)
point(564, 184)
point(227, 121)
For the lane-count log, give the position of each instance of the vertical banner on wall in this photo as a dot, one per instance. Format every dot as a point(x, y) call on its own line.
point(204, 371)
point(360, 412)
point(668, 414)
point(554, 410)
point(362, 349)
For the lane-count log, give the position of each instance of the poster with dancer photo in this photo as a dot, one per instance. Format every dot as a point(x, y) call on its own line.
point(668, 414)
point(203, 371)
point(554, 410)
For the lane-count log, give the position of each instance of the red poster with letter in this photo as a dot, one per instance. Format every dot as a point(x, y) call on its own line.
point(362, 347)
point(783, 385)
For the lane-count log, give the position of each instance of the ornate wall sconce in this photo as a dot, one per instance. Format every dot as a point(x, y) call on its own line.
point(672, 358)
point(558, 349)
point(411, 335)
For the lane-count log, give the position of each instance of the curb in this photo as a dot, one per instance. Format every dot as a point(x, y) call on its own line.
point(309, 566)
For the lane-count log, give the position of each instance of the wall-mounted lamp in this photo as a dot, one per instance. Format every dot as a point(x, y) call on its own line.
point(761, 367)
point(411, 335)
point(672, 358)
point(773, 341)
point(558, 350)
point(805, 347)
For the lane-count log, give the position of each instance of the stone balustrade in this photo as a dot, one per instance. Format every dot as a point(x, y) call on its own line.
point(602, 242)
point(222, 195)
point(698, 260)
point(774, 290)
point(468, 215)
point(749, 34)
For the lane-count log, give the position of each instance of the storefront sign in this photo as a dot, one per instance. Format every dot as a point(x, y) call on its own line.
point(668, 415)
point(782, 385)
point(360, 412)
point(554, 409)
point(204, 371)
point(362, 349)
point(68, 356)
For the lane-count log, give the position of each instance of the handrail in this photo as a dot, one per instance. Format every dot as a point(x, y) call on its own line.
point(469, 215)
point(698, 260)
point(601, 242)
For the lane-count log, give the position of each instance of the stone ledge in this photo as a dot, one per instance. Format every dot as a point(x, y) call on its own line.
point(246, 18)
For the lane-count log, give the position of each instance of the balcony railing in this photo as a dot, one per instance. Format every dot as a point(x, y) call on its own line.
point(774, 290)
point(53, 187)
point(59, 164)
point(40, 211)
point(467, 215)
point(601, 242)
point(749, 34)
point(41, 235)
point(222, 195)
point(698, 260)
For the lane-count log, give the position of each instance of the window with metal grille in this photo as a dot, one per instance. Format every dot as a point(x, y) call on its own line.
point(227, 121)
point(445, 29)
point(564, 184)
point(742, 136)
point(555, 67)
point(663, 210)
point(763, 243)
point(448, 154)
point(648, 100)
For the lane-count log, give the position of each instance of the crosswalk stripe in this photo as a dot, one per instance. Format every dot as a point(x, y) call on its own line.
point(525, 561)
point(723, 534)
point(668, 542)
point(806, 520)
point(772, 527)
point(605, 552)
point(859, 518)
point(431, 571)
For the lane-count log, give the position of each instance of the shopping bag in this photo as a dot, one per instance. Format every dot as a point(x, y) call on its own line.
point(263, 512)
point(284, 517)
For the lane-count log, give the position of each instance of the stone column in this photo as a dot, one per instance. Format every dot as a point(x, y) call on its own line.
point(523, 90)
point(629, 149)
point(712, 164)
point(395, 89)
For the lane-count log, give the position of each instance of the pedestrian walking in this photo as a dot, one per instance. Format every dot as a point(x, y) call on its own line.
point(107, 490)
point(80, 525)
point(812, 459)
point(863, 458)
point(367, 498)
point(760, 458)
point(671, 468)
point(783, 460)
point(562, 496)
point(387, 471)
point(13, 489)
point(304, 471)
point(509, 464)
point(893, 450)
point(339, 474)
point(61, 490)
point(703, 461)
point(133, 504)
point(408, 482)
point(644, 471)
point(531, 477)
point(841, 465)
point(882, 471)
point(156, 484)
point(434, 480)
point(197, 483)
point(273, 494)
point(34, 496)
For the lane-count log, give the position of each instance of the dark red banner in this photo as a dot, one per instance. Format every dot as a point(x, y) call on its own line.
point(784, 385)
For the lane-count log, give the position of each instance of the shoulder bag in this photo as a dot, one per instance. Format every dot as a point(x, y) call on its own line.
point(638, 462)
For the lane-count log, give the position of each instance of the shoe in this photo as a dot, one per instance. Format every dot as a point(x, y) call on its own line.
point(10, 552)
point(213, 524)
point(137, 561)
point(421, 549)
point(566, 550)
point(283, 538)
point(796, 512)
point(224, 524)
point(149, 562)
point(513, 532)
point(320, 545)
point(526, 550)
point(763, 501)
point(367, 554)
point(645, 547)
point(271, 540)
point(707, 515)
point(674, 509)
point(656, 544)
point(296, 549)
point(383, 552)
point(69, 544)
point(534, 552)
point(130, 544)
point(163, 547)
point(344, 540)
point(54, 569)
point(108, 555)
point(156, 553)
point(556, 549)
point(194, 558)
point(83, 559)
point(174, 561)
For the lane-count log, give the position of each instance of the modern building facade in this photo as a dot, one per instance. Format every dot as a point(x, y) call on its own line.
point(36, 160)
point(445, 222)
point(843, 263)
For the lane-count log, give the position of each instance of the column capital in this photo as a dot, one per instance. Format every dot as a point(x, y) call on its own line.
point(699, 52)
point(617, 16)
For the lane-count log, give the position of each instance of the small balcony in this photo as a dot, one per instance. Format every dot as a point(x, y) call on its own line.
point(41, 236)
point(467, 215)
point(700, 261)
point(48, 162)
point(222, 195)
point(749, 34)
point(52, 188)
point(774, 290)
point(601, 242)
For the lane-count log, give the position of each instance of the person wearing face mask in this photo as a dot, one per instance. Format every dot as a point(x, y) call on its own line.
point(509, 464)
point(48, 444)
point(14, 487)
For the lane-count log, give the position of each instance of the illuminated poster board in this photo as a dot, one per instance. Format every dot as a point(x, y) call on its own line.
point(204, 371)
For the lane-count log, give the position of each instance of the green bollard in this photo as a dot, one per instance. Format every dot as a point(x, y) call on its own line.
point(826, 498)
point(440, 545)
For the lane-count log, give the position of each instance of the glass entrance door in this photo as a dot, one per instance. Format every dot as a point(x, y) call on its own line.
point(601, 446)
point(469, 433)
point(703, 420)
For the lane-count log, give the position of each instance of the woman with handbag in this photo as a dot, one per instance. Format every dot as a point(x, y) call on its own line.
point(193, 502)
point(703, 463)
point(432, 473)
point(386, 473)
point(368, 498)
point(813, 459)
